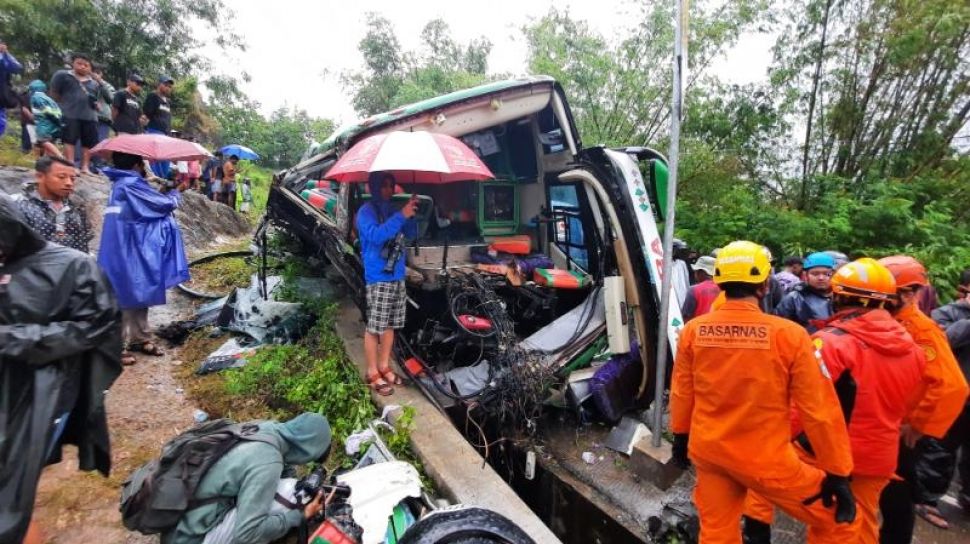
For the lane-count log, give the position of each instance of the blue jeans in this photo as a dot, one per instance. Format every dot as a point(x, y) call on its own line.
point(161, 168)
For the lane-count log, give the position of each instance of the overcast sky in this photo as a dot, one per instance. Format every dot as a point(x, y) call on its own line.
point(298, 48)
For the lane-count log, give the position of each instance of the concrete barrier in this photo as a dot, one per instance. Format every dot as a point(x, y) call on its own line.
point(458, 471)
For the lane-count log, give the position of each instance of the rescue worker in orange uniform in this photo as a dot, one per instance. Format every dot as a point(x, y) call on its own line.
point(863, 345)
point(737, 373)
point(946, 394)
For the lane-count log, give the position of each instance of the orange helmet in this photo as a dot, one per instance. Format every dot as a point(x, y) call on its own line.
point(865, 278)
point(907, 271)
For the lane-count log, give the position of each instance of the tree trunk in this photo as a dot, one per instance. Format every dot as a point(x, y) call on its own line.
point(811, 103)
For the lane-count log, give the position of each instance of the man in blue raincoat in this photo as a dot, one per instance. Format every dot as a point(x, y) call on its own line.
point(8, 67)
point(141, 249)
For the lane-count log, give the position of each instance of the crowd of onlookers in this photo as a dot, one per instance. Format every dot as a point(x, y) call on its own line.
point(69, 321)
point(79, 108)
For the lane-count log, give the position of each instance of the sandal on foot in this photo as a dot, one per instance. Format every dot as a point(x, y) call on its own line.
point(932, 516)
point(150, 348)
point(379, 385)
point(391, 377)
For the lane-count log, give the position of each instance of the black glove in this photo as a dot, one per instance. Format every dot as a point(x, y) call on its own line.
point(836, 490)
point(679, 451)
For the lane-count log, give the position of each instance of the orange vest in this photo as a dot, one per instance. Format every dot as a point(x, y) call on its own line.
point(946, 387)
point(737, 373)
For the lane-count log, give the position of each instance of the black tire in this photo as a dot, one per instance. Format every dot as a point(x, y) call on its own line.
point(465, 525)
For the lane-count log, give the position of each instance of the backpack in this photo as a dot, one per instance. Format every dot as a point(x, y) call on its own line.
point(156, 495)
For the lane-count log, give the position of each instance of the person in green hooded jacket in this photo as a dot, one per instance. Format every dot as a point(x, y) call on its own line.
point(248, 475)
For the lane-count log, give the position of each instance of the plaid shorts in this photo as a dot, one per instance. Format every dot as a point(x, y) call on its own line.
point(385, 306)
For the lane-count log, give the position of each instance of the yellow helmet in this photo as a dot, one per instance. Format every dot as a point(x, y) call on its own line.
point(742, 261)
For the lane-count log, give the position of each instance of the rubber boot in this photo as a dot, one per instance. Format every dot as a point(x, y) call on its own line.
point(756, 532)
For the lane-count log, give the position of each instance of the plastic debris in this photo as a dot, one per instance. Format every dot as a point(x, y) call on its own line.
point(199, 416)
point(377, 489)
point(589, 457)
point(388, 410)
point(229, 355)
point(354, 442)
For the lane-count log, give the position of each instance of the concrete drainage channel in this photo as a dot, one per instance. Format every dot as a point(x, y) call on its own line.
point(551, 507)
point(564, 504)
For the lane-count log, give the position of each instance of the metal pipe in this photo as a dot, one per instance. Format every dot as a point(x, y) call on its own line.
point(677, 103)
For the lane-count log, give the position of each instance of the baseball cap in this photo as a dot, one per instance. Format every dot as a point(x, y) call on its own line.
point(165, 79)
point(136, 77)
point(705, 263)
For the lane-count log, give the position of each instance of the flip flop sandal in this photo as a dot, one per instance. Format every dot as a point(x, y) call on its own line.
point(391, 377)
point(379, 385)
point(932, 516)
point(149, 348)
point(127, 358)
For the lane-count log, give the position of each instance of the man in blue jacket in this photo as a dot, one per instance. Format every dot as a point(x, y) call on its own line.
point(812, 300)
point(379, 227)
point(141, 249)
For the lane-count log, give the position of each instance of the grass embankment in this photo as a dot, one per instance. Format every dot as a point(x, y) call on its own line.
point(280, 381)
point(260, 179)
point(10, 154)
point(222, 275)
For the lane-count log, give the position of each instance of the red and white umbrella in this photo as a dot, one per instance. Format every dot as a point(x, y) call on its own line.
point(154, 147)
point(412, 157)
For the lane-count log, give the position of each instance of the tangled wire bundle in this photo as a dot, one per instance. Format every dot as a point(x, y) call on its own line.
point(520, 379)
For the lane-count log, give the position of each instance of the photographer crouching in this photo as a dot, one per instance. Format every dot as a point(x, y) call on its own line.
point(237, 498)
point(382, 231)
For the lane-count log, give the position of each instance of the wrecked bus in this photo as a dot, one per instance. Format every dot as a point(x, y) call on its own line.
point(514, 283)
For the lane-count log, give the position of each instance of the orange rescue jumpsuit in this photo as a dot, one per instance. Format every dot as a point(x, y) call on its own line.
point(890, 376)
point(737, 373)
point(946, 387)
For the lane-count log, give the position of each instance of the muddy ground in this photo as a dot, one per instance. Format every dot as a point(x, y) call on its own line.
point(146, 407)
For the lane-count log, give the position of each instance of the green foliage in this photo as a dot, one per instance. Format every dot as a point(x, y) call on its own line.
point(260, 180)
point(189, 113)
point(393, 77)
point(620, 88)
point(10, 153)
point(280, 140)
point(222, 275)
point(893, 90)
point(920, 216)
point(314, 375)
point(154, 36)
point(885, 83)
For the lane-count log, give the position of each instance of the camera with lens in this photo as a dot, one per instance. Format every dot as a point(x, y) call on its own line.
point(310, 485)
point(391, 252)
point(313, 483)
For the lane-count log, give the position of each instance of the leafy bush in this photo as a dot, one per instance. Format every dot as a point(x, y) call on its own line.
point(919, 216)
point(314, 375)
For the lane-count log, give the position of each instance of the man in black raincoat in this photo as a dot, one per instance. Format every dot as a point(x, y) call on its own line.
point(60, 348)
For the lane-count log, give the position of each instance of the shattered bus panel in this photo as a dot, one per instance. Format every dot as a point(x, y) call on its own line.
point(506, 277)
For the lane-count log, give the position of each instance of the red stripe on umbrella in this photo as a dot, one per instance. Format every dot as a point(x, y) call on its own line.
point(154, 147)
point(412, 157)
